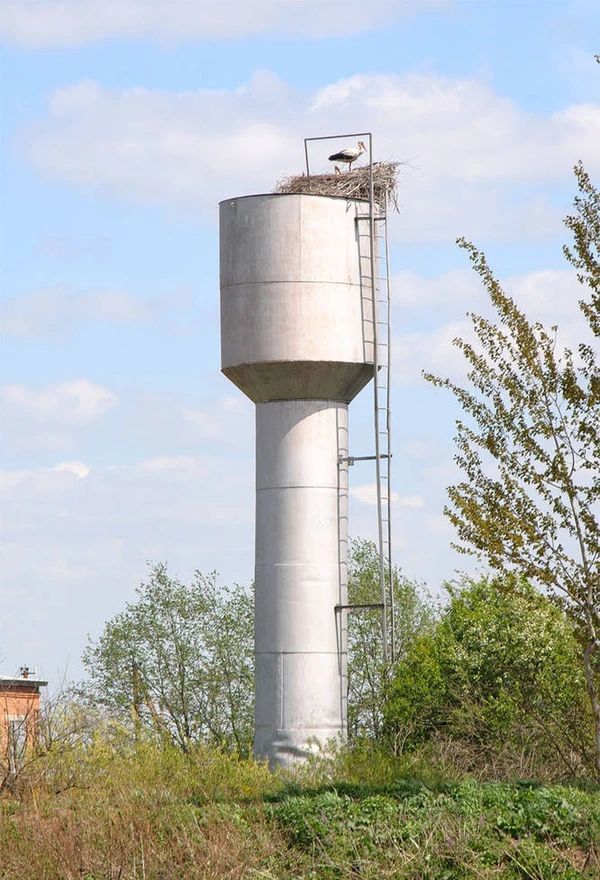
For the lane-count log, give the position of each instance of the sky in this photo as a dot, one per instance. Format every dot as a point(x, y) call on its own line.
point(123, 124)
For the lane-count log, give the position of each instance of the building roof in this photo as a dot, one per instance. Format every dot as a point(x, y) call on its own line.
point(7, 681)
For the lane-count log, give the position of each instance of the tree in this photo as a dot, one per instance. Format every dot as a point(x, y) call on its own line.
point(530, 451)
point(368, 674)
point(499, 673)
point(179, 661)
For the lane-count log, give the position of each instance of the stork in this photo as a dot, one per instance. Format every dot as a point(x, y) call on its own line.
point(349, 154)
point(337, 169)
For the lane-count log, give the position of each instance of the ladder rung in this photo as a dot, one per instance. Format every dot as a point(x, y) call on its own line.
point(358, 607)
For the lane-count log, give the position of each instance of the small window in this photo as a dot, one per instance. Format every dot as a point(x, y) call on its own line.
point(17, 740)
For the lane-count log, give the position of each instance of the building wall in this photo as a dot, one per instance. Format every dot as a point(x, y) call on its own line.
point(19, 713)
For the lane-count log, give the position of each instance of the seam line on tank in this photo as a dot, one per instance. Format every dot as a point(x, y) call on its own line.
point(333, 487)
point(287, 281)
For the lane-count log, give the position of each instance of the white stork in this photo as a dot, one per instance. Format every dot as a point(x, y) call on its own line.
point(349, 154)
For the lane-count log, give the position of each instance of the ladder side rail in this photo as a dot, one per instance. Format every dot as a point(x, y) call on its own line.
point(375, 305)
point(389, 437)
point(384, 418)
point(384, 445)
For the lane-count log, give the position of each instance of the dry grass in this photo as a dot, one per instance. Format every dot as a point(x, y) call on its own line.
point(134, 839)
point(149, 812)
point(146, 814)
point(349, 184)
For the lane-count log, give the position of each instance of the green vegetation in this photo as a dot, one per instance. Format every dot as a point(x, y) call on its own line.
point(179, 661)
point(108, 808)
point(529, 446)
point(499, 679)
point(368, 675)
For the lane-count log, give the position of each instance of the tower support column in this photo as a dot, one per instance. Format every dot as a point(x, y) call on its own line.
point(300, 575)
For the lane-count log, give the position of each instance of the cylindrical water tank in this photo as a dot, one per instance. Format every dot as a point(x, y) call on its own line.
point(297, 338)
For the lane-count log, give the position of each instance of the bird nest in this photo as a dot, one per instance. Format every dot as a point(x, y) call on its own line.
point(349, 184)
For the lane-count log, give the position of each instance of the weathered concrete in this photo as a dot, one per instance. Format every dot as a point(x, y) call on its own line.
point(297, 338)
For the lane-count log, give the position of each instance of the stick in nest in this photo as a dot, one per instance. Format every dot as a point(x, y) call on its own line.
point(349, 184)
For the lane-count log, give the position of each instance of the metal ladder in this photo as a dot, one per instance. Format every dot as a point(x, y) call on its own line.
point(375, 278)
point(380, 289)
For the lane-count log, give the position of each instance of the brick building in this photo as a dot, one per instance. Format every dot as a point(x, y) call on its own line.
point(19, 712)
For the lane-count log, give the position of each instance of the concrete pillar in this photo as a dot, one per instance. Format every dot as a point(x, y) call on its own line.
point(301, 575)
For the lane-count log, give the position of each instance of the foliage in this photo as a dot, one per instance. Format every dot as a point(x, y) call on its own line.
point(501, 669)
point(465, 830)
point(367, 672)
point(179, 661)
point(137, 810)
point(530, 449)
point(149, 810)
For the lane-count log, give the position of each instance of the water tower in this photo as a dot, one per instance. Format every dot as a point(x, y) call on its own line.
point(297, 337)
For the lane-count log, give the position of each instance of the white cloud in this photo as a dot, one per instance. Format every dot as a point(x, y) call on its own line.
point(78, 468)
point(161, 146)
point(63, 416)
point(121, 501)
point(52, 312)
point(48, 23)
point(550, 296)
point(467, 145)
point(547, 294)
point(455, 289)
point(461, 129)
point(413, 501)
point(76, 402)
point(178, 466)
point(52, 417)
point(41, 481)
point(156, 421)
point(78, 537)
point(206, 424)
point(367, 494)
point(432, 351)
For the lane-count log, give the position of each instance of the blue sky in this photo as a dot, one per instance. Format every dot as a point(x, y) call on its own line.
point(123, 123)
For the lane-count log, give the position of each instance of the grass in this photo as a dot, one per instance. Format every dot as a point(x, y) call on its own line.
point(149, 813)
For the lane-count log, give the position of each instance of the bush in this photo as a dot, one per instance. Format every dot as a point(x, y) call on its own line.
point(501, 670)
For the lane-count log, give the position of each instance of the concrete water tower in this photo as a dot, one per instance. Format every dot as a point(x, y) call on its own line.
point(297, 338)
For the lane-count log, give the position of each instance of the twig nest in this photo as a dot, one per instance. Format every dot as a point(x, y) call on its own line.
point(349, 184)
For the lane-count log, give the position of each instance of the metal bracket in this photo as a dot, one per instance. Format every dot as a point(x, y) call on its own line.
point(352, 458)
point(339, 608)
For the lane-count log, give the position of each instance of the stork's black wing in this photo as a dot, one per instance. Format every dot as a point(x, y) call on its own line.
point(342, 156)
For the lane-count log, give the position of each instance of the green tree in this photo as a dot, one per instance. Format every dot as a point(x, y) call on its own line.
point(179, 661)
point(499, 673)
point(368, 674)
point(530, 450)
